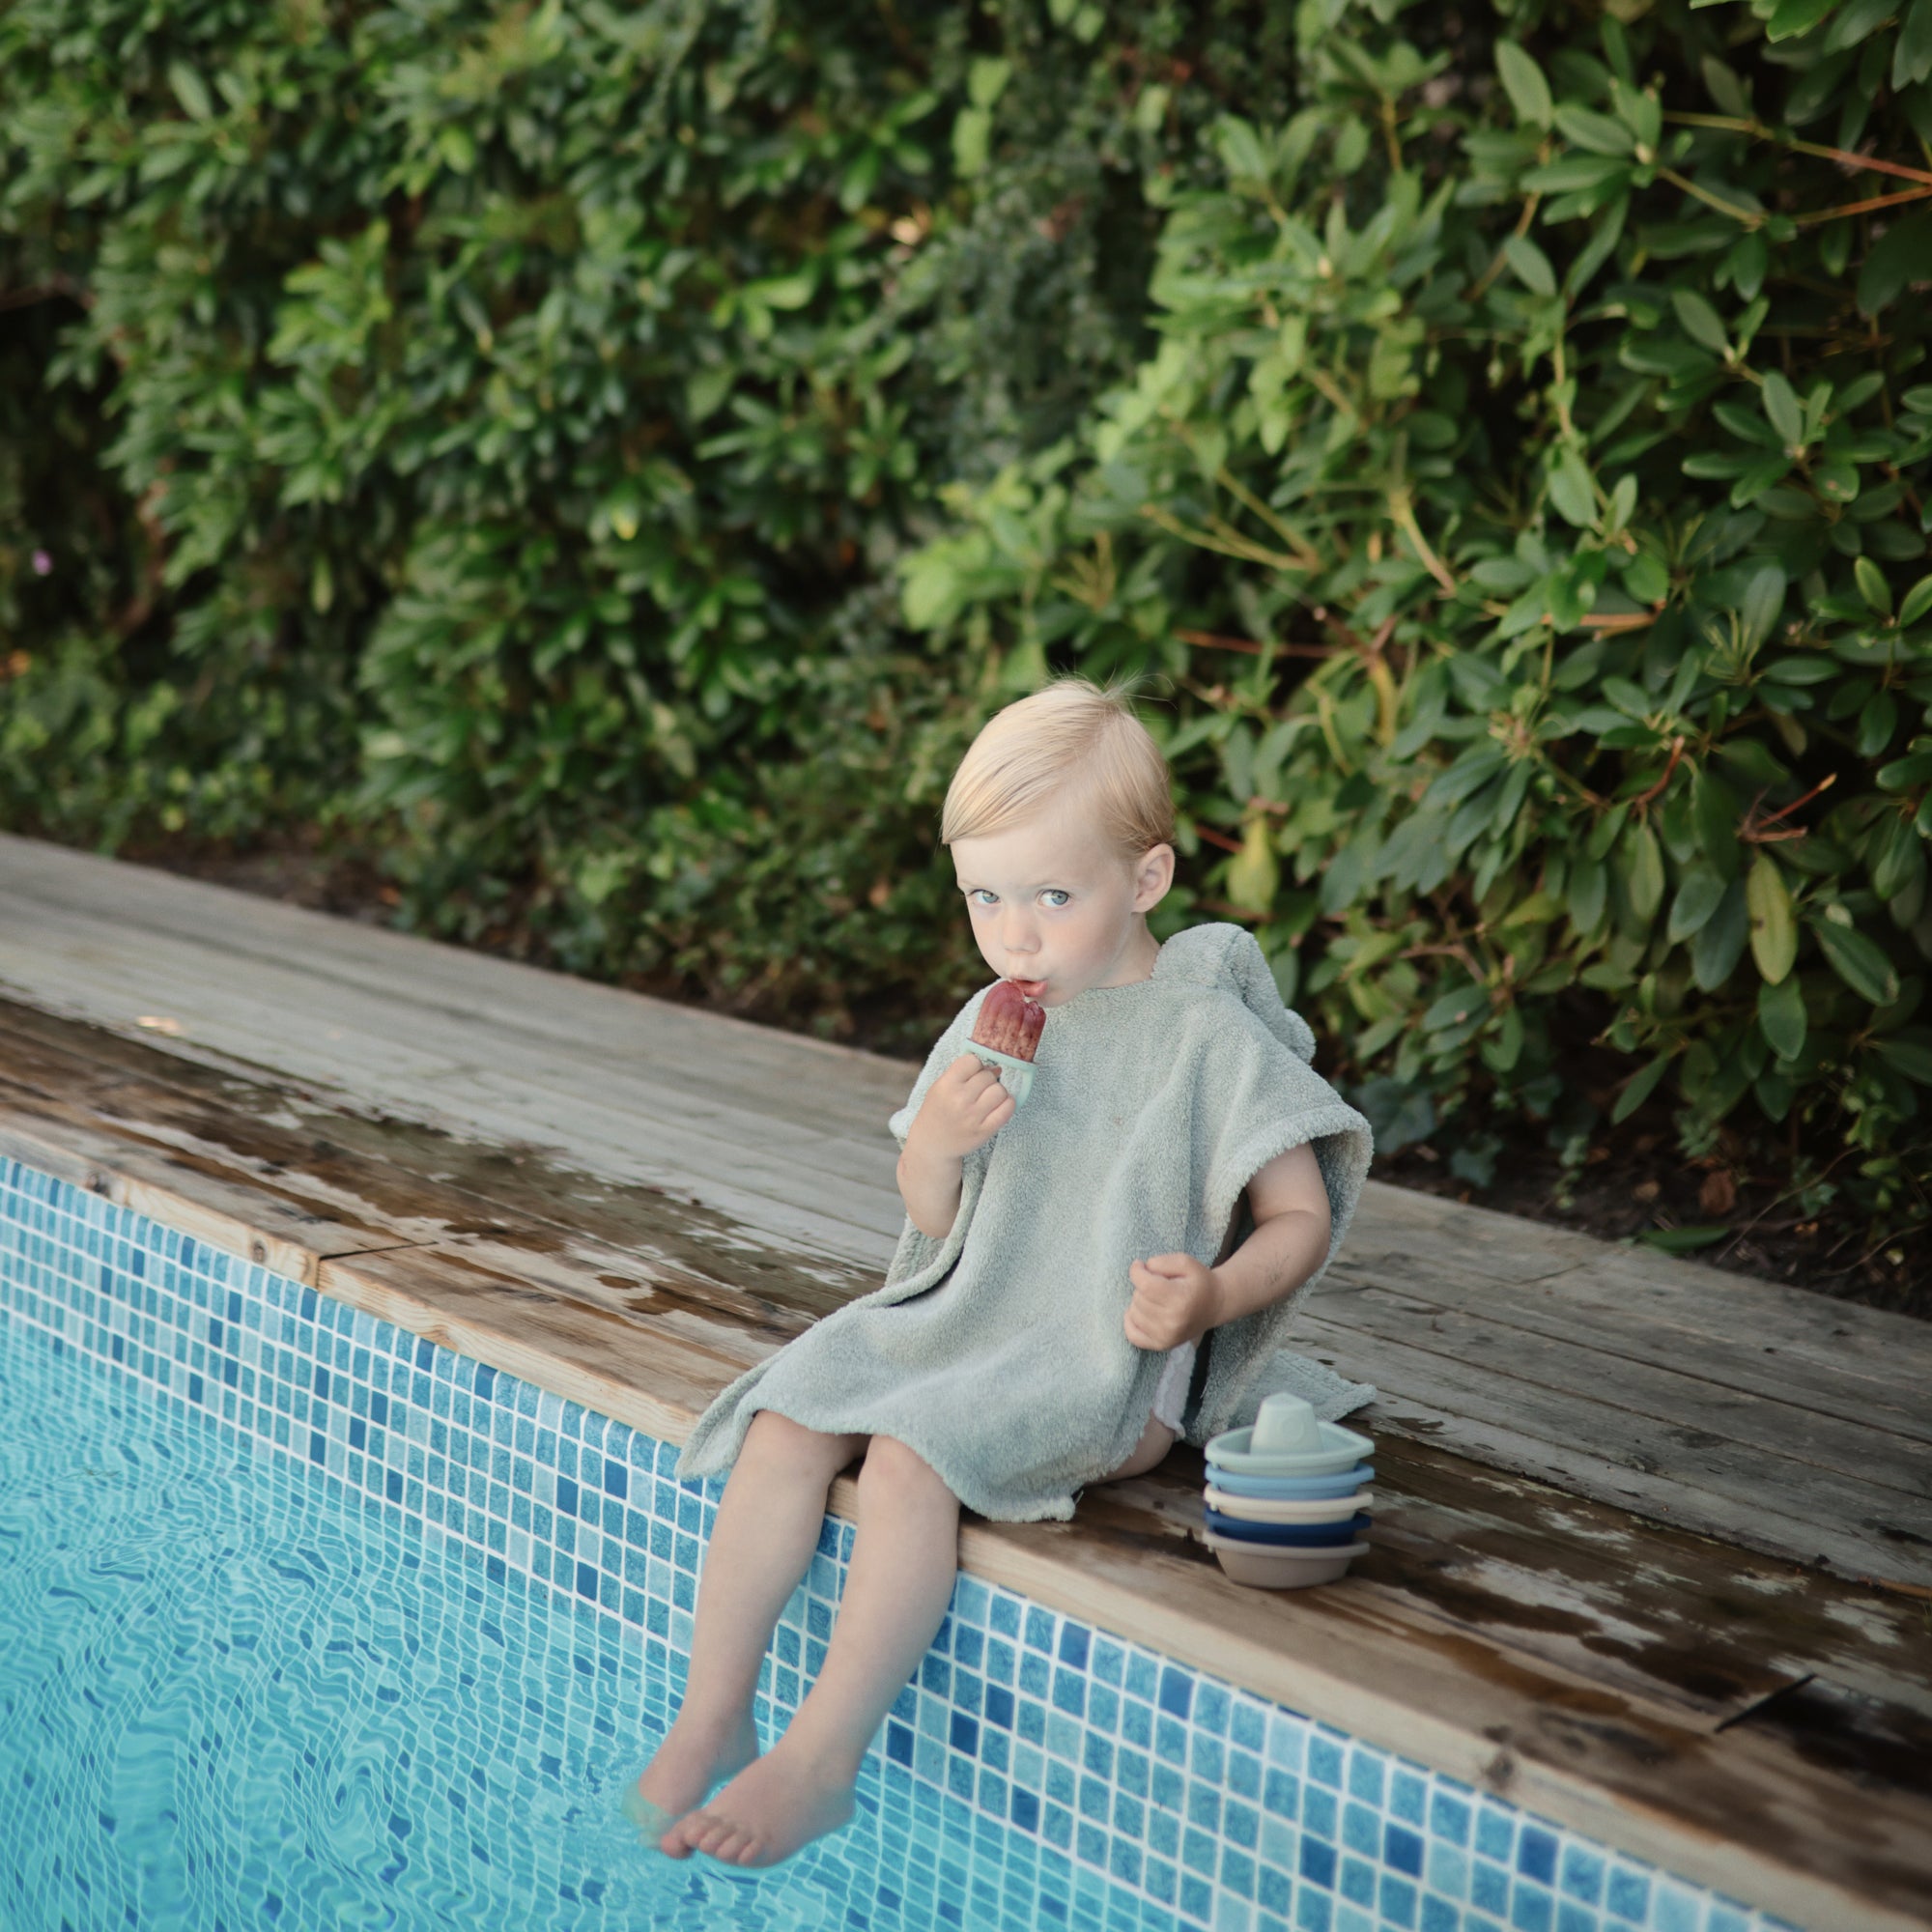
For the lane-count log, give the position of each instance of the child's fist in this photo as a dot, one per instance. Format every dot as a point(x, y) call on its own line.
point(1177, 1299)
point(964, 1108)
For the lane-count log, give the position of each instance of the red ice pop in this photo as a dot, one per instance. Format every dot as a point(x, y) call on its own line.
point(1008, 1022)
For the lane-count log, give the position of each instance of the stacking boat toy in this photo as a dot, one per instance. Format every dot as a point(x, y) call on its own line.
point(1287, 1501)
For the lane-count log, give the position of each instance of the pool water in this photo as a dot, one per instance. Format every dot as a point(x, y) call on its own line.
point(236, 1693)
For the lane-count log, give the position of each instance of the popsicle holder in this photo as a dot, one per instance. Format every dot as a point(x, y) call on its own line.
point(1021, 1084)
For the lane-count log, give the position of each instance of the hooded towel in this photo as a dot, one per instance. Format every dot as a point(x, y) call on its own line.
point(999, 1353)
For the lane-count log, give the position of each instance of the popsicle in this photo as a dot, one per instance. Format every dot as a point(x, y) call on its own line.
point(1007, 1032)
point(1009, 1022)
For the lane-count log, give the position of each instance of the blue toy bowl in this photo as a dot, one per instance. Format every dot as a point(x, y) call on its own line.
point(1297, 1535)
point(1291, 1488)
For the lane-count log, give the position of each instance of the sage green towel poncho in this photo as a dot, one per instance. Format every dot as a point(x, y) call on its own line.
point(999, 1353)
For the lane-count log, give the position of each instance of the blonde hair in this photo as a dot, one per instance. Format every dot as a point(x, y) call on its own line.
point(1071, 745)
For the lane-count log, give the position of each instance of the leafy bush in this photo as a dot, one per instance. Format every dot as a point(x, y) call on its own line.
point(1536, 452)
point(513, 416)
point(497, 435)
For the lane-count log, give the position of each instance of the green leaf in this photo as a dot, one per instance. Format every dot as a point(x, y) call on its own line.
point(1859, 962)
point(1872, 585)
point(1589, 886)
point(1531, 265)
point(1571, 488)
point(1720, 941)
point(1890, 263)
point(1912, 52)
point(1917, 601)
point(1682, 1240)
point(1597, 132)
point(1699, 896)
point(1639, 1088)
point(1774, 927)
point(191, 91)
point(972, 141)
point(1858, 22)
point(1642, 869)
point(1715, 813)
point(1522, 80)
point(1763, 604)
point(1700, 322)
point(1905, 772)
point(1792, 17)
point(986, 80)
point(1781, 406)
point(1780, 1014)
point(1910, 1050)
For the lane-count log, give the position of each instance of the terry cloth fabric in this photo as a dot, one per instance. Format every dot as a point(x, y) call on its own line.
point(999, 1353)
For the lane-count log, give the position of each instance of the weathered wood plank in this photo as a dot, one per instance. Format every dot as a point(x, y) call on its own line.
point(341, 974)
point(1672, 1615)
point(1405, 1237)
point(1565, 1309)
point(1783, 1508)
point(1698, 1409)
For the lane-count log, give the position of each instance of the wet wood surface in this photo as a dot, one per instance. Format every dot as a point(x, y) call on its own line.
point(1775, 1419)
point(1559, 1602)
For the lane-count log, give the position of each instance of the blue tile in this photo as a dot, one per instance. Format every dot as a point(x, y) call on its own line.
point(1495, 1833)
point(1073, 1645)
point(1531, 1910)
point(1488, 1888)
point(1176, 1691)
point(1401, 1849)
point(1536, 1855)
point(1318, 1862)
point(1628, 1895)
point(1324, 1762)
point(1582, 1873)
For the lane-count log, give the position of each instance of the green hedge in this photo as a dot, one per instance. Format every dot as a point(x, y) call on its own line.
point(607, 461)
point(1537, 455)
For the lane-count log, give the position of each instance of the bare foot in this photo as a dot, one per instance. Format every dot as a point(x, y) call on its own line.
point(688, 1764)
point(775, 1806)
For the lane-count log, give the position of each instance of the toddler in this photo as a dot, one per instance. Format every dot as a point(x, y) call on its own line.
point(1068, 1294)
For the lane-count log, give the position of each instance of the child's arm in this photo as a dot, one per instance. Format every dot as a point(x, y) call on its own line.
point(1177, 1299)
point(1289, 1205)
point(963, 1109)
point(931, 1182)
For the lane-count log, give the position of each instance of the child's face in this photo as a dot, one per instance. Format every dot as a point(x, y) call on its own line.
point(1057, 910)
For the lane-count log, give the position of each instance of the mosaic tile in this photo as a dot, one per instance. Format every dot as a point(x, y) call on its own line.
point(1130, 1772)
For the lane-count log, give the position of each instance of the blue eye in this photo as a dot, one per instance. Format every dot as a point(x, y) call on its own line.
point(972, 898)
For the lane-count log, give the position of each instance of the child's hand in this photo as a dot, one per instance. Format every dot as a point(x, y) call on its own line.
point(964, 1108)
point(1177, 1299)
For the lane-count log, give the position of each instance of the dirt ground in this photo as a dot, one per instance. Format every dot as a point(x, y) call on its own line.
point(1633, 1186)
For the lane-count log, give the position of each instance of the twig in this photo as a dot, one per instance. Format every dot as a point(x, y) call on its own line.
point(1763, 133)
point(1863, 206)
point(1753, 831)
point(1213, 642)
point(1643, 798)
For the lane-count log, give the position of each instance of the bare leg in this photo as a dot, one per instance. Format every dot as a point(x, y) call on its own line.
point(905, 1561)
point(761, 1542)
point(1156, 1439)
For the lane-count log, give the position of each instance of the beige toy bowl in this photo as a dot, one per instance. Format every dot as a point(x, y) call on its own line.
point(1275, 1566)
point(1264, 1509)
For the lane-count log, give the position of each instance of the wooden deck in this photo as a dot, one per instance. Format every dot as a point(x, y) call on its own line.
point(1653, 1548)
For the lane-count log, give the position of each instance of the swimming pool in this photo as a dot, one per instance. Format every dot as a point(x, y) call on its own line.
point(315, 1623)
